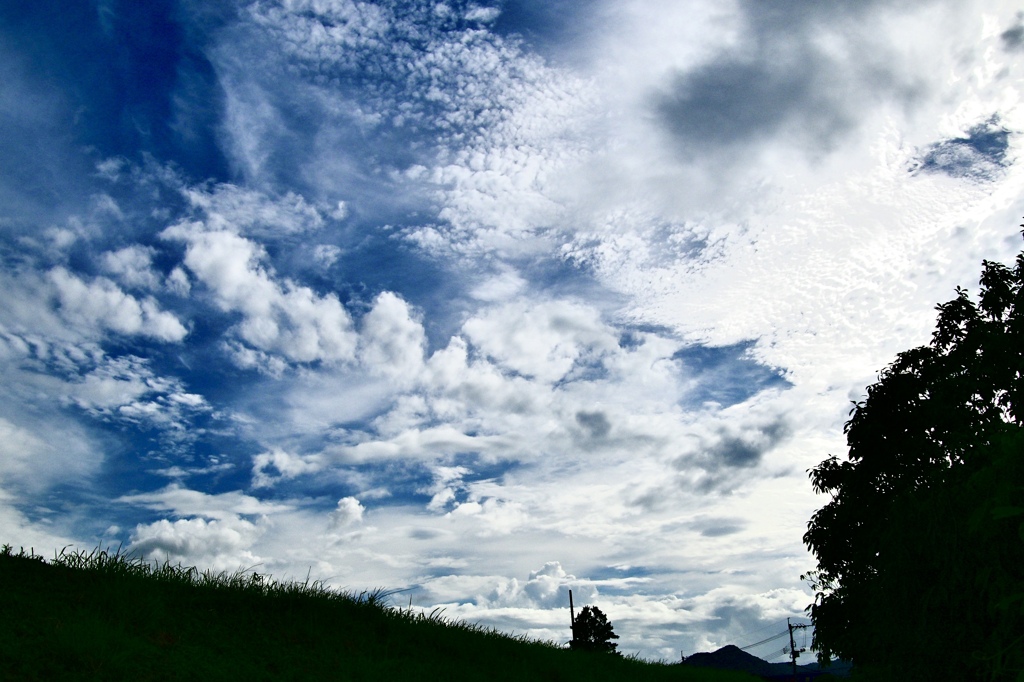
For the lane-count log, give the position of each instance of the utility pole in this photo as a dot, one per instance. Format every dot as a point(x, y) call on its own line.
point(793, 653)
point(572, 620)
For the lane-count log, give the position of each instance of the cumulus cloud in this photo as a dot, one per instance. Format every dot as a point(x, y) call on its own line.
point(133, 266)
point(391, 341)
point(472, 381)
point(447, 483)
point(546, 588)
point(541, 340)
point(492, 515)
point(178, 282)
point(348, 512)
point(220, 544)
point(101, 303)
point(282, 321)
point(284, 317)
point(326, 254)
point(522, 604)
point(500, 287)
point(276, 464)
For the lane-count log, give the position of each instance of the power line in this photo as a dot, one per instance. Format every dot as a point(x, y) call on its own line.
point(776, 625)
point(784, 633)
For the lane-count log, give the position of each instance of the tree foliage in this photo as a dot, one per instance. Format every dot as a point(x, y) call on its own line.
point(593, 632)
point(921, 549)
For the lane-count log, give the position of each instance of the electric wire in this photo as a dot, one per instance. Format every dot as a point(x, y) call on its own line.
point(765, 641)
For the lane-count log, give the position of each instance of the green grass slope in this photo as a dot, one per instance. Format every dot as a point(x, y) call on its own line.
point(103, 616)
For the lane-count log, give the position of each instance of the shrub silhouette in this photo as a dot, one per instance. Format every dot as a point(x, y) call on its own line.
point(920, 552)
point(593, 632)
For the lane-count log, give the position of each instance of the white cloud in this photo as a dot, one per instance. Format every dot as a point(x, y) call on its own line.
point(321, 401)
point(236, 209)
point(546, 588)
point(500, 287)
point(39, 451)
point(541, 340)
point(220, 544)
point(44, 376)
point(133, 266)
point(482, 14)
point(61, 238)
point(326, 254)
point(475, 384)
point(492, 516)
point(177, 472)
point(283, 317)
point(23, 533)
point(178, 282)
point(182, 501)
point(504, 192)
point(20, 447)
point(126, 389)
point(500, 122)
point(116, 383)
point(443, 489)
point(101, 303)
point(287, 466)
point(283, 321)
point(428, 443)
point(349, 512)
point(391, 341)
point(657, 626)
point(340, 211)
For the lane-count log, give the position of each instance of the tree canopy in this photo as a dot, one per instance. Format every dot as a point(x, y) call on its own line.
point(593, 632)
point(920, 551)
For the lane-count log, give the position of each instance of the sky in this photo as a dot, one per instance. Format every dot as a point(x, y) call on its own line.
point(485, 302)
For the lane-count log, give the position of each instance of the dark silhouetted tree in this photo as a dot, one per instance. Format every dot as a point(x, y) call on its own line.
point(921, 549)
point(593, 632)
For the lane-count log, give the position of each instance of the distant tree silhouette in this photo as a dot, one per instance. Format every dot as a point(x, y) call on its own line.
point(593, 632)
point(921, 550)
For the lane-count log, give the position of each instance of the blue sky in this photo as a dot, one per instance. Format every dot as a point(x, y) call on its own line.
point(481, 301)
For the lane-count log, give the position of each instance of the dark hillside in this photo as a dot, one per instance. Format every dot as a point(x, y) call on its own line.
point(731, 657)
point(103, 616)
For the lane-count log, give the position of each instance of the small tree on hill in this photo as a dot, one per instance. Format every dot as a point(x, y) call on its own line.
point(593, 632)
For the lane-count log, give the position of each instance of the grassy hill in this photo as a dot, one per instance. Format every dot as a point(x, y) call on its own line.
point(103, 616)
